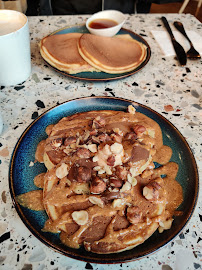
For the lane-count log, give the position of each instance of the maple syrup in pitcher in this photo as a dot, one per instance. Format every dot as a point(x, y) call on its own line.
point(102, 23)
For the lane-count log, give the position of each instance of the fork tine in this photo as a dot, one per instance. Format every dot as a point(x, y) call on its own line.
point(193, 54)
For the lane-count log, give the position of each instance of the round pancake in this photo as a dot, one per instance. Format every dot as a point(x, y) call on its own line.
point(61, 52)
point(108, 229)
point(112, 54)
point(101, 190)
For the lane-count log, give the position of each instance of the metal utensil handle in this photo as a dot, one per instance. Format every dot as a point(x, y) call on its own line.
point(167, 27)
point(180, 28)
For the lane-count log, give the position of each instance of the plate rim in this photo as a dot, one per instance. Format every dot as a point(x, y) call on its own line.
point(71, 254)
point(121, 76)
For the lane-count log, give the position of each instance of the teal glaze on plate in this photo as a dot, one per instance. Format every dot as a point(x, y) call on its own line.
point(102, 76)
point(21, 177)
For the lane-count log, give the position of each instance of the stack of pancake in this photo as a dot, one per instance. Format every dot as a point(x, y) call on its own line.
point(76, 52)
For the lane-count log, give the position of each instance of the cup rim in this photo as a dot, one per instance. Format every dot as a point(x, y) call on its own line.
point(16, 12)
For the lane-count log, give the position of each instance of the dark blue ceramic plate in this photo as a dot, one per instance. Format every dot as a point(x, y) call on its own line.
point(21, 176)
point(102, 76)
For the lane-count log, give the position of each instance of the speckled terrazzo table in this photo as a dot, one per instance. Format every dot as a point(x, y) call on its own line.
point(160, 83)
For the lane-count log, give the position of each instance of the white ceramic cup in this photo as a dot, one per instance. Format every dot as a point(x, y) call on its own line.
point(15, 57)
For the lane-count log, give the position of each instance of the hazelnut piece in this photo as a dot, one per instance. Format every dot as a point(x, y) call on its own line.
point(104, 137)
point(110, 195)
point(56, 142)
point(139, 130)
point(96, 200)
point(165, 225)
point(126, 187)
point(134, 214)
point(97, 185)
point(98, 122)
point(131, 109)
point(82, 173)
point(62, 171)
point(93, 132)
point(81, 188)
point(83, 153)
point(116, 148)
point(69, 140)
point(92, 148)
point(80, 217)
point(132, 136)
point(111, 161)
point(121, 172)
point(151, 191)
point(116, 137)
point(118, 203)
point(116, 182)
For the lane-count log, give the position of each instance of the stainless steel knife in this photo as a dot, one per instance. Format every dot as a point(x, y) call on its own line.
point(181, 55)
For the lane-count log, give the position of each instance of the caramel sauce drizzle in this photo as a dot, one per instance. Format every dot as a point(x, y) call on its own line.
point(32, 200)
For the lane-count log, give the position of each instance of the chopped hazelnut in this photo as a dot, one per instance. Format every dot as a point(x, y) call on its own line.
point(116, 148)
point(69, 140)
point(73, 146)
point(96, 200)
point(111, 161)
point(118, 131)
point(121, 172)
point(117, 203)
point(101, 171)
point(116, 182)
point(56, 142)
point(165, 225)
point(132, 180)
point(83, 153)
point(85, 136)
point(81, 188)
point(62, 171)
point(93, 132)
point(95, 140)
point(80, 217)
point(67, 151)
point(104, 137)
point(111, 195)
point(126, 187)
point(98, 122)
point(131, 109)
point(134, 214)
point(106, 150)
point(108, 170)
point(95, 158)
point(97, 185)
point(116, 137)
point(92, 148)
point(151, 191)
point(96, 168)
point(132, 136)
point(139, 130)
point(82, 173)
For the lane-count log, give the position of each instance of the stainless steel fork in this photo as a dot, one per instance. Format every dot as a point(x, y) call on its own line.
point(192, 52)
